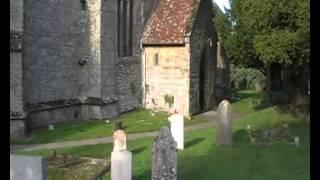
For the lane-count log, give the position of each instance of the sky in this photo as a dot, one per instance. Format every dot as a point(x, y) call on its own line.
point(222, 3)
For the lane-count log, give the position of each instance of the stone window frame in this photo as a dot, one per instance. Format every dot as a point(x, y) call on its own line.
point(125, 21)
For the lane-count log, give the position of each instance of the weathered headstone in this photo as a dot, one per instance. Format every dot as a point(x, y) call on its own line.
point(28, 168)
point(177, 129)
point(121, 158)
point(164, 156)
point(119, 140)
point(224, 123)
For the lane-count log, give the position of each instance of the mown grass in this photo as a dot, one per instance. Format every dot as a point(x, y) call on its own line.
point(248, 102)
point(133, 122)
point(203, 159)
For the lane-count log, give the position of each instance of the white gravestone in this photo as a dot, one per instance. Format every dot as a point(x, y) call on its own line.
point(121, 158)
point(177, 129)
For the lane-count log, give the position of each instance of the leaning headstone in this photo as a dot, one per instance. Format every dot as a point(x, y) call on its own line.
point(28, 168)
point(224, 123)
point(121, 158)
point(176, 127)
point(164, 156)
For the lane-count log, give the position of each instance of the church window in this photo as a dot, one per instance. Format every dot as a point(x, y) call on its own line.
point(125, 27)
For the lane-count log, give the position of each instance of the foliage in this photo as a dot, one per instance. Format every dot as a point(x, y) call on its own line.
point(252, 77)
point(256, 33)
point(279, 29)
point(221, 22)
point(169, 100)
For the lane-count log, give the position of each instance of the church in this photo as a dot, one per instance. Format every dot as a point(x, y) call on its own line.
point(96, 59)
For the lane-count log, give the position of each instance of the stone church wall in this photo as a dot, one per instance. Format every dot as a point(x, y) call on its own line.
point(56, 43)
point(17, 114)
point(203, 40)
point(70, 68)
point(168, 77)
point(129, 68)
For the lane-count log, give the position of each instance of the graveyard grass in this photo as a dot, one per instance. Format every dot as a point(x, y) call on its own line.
point(202, 159)
point(134, 122)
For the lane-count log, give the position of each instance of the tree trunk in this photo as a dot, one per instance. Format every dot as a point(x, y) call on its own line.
point(268, 83)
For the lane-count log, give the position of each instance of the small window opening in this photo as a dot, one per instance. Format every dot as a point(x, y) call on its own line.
point(83, 4)
point(156, 59)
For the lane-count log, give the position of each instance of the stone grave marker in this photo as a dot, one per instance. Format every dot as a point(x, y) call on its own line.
point(177, 129)
point(164, 156)
point(224, 123)
point(28, 168)
point(51, 127)
point(121, 158)
point(119, 140)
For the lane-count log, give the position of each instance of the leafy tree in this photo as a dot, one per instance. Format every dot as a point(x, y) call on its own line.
point(261, 33)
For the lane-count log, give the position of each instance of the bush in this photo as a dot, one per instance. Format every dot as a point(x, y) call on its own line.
point(246, 78)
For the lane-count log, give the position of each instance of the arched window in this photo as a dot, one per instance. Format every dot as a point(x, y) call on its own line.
point(125, 27)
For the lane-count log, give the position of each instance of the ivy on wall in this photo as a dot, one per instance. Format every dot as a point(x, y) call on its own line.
point(169, 100)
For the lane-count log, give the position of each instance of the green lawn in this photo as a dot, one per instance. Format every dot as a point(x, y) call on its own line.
point(134, 122)
point(203, 159)
point(246, 104)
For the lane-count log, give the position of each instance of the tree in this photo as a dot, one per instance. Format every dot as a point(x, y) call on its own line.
point(265, 32)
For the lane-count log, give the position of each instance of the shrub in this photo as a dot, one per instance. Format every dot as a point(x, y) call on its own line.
point(246, 78)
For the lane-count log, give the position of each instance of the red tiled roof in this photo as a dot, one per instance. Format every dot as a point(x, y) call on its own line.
point(170, 22)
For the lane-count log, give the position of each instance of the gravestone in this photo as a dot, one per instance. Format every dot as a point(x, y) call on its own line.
point(51, 127)
point(28, 168)
point(164, 156)
point(119, 140)
point(224, 123)
point(177, 129)
point(121, 158)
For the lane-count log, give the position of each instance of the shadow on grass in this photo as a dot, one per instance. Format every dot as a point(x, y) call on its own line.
point(243, 161)
point(138, 150)
point(193, 142)
point(241, 137)
point(146, 175)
